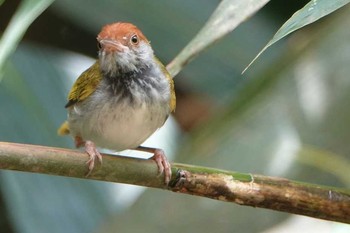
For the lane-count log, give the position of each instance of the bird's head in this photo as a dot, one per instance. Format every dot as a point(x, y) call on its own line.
point(123, 48)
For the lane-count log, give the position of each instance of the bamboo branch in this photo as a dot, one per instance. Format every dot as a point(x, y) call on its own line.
point(245, 189)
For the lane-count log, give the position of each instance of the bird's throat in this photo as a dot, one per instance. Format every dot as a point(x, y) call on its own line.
point(147, 85)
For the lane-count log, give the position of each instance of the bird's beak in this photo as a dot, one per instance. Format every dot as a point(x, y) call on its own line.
point(111, 45)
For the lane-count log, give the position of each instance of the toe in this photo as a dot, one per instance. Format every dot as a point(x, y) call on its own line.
point(91, 150)
point(163, 164)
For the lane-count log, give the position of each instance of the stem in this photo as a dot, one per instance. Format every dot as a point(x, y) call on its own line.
point(245, 189)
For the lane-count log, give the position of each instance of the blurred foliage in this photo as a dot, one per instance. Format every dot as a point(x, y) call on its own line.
point(311, 12)
point(287, 116)
point(26, 13)
point(222, 21)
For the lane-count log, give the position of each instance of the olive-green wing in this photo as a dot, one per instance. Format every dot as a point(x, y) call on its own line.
point(85, 85)
point(172, 103)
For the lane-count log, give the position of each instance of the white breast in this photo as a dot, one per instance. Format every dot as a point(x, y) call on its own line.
point(116, 124)
point(124, 127)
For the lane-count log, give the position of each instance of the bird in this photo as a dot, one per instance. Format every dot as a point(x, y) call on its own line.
point(122, 99)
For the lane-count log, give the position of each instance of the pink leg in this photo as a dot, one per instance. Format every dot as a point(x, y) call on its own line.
point(79, 142)
point(91, 150)
point(161, 160)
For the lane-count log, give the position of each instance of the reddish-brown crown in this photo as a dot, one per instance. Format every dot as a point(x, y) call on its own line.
point(121, 32)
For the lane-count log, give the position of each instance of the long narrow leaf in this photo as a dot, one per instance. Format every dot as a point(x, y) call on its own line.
point(26, 13)
point(310, 13)
point(227, 16)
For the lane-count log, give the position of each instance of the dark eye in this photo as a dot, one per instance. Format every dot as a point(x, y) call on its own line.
point(134, 39)
point(99, 46)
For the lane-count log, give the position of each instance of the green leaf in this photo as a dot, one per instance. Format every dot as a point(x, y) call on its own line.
point(26, 13)
point(227, 16)
point(326, 161)
point(310, 13)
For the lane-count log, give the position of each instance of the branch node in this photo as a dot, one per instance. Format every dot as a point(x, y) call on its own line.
point(179, 180)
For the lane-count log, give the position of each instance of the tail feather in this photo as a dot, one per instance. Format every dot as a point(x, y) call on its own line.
point(63, 129)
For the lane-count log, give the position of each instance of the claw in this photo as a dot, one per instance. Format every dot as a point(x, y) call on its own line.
point(163, 165)
point(93, 153)
point(161, 160)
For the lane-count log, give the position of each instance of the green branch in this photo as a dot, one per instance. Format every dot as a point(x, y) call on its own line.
point(245, 189)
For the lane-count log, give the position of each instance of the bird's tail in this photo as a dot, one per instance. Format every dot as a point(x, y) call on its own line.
point(63, 129)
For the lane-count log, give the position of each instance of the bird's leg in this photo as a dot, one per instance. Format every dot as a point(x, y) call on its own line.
point(161, 160)
point(78, 141)
point(91, 150)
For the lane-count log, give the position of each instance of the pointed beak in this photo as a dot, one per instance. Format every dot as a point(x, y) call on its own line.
point(109, 45)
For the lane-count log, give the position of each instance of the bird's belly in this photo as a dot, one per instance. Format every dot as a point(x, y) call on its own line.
point(128, 129)
point(119, 127)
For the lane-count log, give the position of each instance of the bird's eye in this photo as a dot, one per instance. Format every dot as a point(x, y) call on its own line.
point(99, 46)
point(134, 39)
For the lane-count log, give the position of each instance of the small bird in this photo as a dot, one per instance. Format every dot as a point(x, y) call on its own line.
point(123, 98)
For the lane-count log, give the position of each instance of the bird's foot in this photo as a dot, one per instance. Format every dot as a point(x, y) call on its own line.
point(93, 153)
point(161, 161)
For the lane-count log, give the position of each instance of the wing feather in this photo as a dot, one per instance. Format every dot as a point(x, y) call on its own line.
point(172, 103)
point(85, 85)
